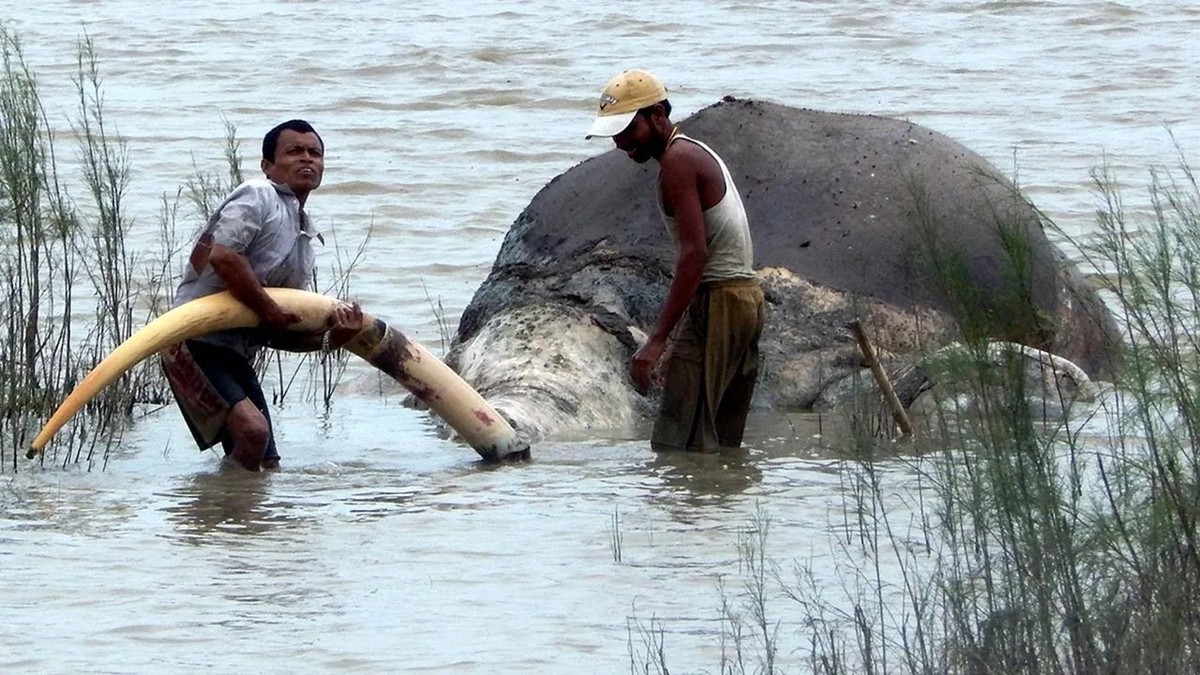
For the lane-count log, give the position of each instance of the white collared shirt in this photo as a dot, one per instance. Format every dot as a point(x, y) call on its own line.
point(263, 221)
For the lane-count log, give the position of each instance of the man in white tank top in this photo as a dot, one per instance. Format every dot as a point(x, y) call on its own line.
point(714, 308)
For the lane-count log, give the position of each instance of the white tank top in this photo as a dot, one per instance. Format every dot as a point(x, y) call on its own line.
point(730, 251)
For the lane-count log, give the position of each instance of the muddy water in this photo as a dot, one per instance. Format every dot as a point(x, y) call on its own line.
point(382, 547)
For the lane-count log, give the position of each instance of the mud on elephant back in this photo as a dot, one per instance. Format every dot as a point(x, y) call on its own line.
point(853, 217)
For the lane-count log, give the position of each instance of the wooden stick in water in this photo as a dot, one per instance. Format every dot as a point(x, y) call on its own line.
point(889, 394)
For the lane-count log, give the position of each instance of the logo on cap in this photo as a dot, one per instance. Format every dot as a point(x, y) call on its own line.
point(607, 99)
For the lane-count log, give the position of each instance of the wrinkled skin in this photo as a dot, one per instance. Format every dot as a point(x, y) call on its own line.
point(850, 214)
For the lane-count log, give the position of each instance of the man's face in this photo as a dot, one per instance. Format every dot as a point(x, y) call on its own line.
point(299, 161)
point(636, 140)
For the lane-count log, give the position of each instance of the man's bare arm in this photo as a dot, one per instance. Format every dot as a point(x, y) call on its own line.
point(681, 196)
point(234, 270)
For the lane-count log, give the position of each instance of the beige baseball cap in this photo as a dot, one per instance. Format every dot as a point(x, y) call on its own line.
point(622, 97)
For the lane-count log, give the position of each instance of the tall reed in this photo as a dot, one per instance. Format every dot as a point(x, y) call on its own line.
point(1061, 547)
point(45, 245)
point(74, 289)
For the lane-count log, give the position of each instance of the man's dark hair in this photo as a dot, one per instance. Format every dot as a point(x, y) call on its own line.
point(666, 104)
point(272, 137)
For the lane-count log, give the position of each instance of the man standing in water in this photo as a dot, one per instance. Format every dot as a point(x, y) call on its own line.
point(714, 307)
point(260, 236)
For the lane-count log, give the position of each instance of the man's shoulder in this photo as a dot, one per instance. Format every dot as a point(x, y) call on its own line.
point(250, 201)
point(688, 158)
point(254, 188)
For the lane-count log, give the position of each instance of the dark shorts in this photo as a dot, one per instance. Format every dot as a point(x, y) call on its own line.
point(712, 369)
point(207, 381)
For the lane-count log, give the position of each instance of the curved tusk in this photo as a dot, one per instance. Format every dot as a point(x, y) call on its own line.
point(382, 346)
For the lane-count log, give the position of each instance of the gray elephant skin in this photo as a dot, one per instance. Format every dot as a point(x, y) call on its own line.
point(854, 217)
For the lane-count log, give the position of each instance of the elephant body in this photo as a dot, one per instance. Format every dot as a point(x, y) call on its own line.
point(853, 217)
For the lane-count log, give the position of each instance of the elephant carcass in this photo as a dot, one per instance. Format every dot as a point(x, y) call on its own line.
point(854, 217)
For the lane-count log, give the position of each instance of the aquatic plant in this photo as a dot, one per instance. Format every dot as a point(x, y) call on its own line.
point(1060, 546)
point(49, 245)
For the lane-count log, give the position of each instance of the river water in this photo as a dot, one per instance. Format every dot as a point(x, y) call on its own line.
point(384, 548)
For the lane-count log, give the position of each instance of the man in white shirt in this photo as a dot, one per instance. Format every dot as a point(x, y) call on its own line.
point(258, 237)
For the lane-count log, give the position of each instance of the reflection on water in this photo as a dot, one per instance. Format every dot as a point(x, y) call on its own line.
point(706, 478)
point(229, 500)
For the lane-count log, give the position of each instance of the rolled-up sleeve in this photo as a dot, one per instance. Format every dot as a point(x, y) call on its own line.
point(239, 219)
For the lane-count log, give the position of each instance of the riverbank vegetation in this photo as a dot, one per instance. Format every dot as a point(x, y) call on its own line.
point(72, 289)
